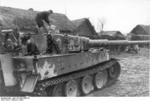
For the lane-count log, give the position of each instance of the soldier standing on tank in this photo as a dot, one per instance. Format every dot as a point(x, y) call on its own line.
point(43, 17)
point(28, 45)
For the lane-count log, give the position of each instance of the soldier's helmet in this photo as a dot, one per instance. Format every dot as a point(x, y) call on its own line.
point(51, 11)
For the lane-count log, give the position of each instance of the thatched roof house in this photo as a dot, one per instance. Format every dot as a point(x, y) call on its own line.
point(24, 20)
point(139, 32)
point(85, 28)
point(111, 35)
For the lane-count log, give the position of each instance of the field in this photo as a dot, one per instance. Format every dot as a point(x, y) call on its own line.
point(134, 78)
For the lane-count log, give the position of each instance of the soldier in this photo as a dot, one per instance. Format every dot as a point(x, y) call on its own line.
point(32, 48)
point(52, 45)
point(136, 48)
point(43, 17)
point(28, 46)
point(133, 48)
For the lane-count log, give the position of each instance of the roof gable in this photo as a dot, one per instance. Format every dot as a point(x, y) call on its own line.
point(84, 27)
point(141, 29)
point(146, 28)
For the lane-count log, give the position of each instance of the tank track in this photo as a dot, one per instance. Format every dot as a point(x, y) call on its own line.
point(41, 86)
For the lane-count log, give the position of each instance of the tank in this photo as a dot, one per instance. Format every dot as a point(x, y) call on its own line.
point(75, 66)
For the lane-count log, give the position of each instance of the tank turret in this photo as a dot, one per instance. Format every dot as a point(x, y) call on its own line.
point(76, 43)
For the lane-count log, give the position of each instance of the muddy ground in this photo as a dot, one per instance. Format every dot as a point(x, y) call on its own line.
point(134, 78)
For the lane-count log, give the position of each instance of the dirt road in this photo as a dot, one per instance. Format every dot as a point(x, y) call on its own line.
point(134, 78)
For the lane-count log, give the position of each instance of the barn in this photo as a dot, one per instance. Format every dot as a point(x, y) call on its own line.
point(85, 28)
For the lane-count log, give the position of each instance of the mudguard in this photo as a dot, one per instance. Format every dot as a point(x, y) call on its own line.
point(29, 83)
point(7, 70)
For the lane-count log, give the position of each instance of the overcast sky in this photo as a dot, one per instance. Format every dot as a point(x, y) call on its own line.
point(120, 15)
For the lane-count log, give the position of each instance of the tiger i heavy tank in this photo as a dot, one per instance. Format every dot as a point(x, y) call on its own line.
point(79, 66)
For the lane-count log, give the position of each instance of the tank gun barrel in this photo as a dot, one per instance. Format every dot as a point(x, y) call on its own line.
point(98, 43)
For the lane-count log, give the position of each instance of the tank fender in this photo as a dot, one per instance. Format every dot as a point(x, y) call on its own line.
point(7, 70)
point(29, 84)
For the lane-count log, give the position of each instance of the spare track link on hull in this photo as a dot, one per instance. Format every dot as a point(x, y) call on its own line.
point(40, 89)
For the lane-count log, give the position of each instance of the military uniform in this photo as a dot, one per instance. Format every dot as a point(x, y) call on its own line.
point(42, 16)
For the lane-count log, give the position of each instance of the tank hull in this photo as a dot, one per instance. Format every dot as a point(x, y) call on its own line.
point(44, 72)
point(49, 66)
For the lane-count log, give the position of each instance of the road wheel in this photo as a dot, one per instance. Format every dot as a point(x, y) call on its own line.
point(57, 90)
point(87, 84)
point(71, 88)
point(114, 71)
point(100, 79)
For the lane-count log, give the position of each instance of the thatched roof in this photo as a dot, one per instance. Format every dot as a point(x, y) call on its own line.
point(79, 22)
point(8, 16)
point(62, 22)
point(112, 35)
point(85, 28)
point(139, 32)
point(24, 19)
